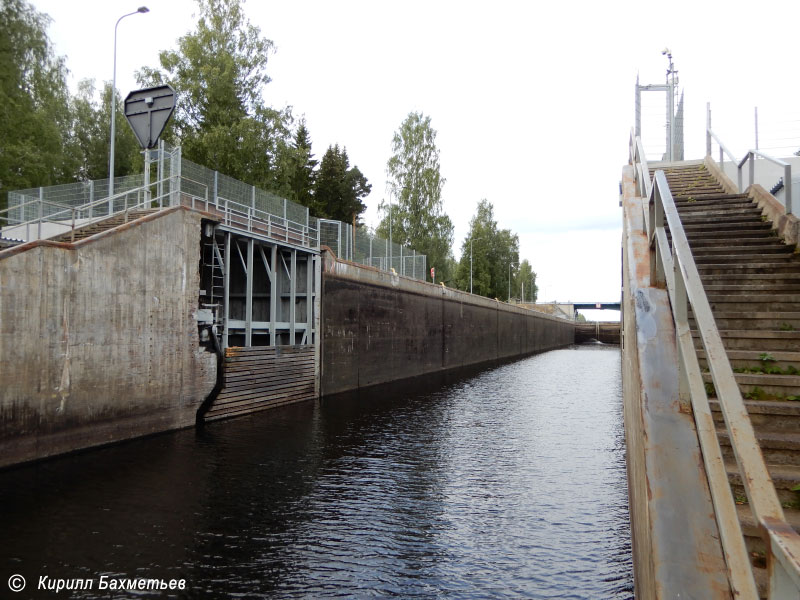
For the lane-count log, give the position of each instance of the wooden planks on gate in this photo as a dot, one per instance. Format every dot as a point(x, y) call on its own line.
point(261, 377)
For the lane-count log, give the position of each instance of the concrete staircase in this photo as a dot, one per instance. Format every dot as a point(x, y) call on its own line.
point(104, 225)
point(752, 280)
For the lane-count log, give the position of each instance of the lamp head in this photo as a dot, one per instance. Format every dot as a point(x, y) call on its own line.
point(142, 9)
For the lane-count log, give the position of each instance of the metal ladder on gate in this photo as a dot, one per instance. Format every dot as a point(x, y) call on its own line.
point(214, 260)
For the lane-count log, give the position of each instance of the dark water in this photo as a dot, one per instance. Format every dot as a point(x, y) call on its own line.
point(509, 484)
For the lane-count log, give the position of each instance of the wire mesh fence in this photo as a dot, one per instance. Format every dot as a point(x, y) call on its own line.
point(365, 247)
point(170, 174)
point(47, 201)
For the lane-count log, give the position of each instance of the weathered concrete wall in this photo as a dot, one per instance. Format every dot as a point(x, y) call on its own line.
point(378, 327)
point(676, 550)
point(98, 339)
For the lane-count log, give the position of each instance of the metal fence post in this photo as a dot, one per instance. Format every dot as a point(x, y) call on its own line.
point(41, 201)
point(752, 168)
point(216, 173)
point(160, 186)
point(146, 183)
point(91, 197)
point(787, 184)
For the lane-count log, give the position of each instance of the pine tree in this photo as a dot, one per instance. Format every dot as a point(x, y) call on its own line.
point(301, 167)
point(339, 188)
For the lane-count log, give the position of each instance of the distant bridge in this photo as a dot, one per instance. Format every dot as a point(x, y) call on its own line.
point(596, 305)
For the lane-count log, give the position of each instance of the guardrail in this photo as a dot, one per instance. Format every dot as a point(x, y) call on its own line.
point(673, 267)
point(749, 159)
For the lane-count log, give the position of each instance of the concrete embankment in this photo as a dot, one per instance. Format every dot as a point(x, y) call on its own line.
point(98, 339)
point(379, 327)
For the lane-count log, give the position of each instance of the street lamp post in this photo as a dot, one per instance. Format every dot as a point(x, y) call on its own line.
point(141, 9)
point(470, 263)
point(509, 282)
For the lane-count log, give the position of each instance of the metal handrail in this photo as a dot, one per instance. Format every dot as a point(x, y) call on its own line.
point(673, 267)
point(236, 215)
point(750, 159)
point(638, 159)
point(787, 174)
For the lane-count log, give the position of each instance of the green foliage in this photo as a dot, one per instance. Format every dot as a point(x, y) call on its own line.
point(415, 182)
point(767, 369)
point(525, 281)
point(90, 130)
point(495, 255)
point(34, 104)
point(301, 167)
point(339, 188)
point(766, 357)
point(221, 120)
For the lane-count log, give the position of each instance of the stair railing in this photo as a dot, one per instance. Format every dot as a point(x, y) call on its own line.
point(673, 267)
point(70, 217)
point(748, 159)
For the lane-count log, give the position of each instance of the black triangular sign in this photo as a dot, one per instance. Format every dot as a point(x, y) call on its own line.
point(148, 111)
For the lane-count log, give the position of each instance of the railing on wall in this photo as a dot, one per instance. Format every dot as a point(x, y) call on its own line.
point(46, 212)
point(364, 246)
point(749, 160)
point(673, 267)
point(56, 220)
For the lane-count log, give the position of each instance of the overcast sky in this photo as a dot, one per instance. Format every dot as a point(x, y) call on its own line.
point(533, 101)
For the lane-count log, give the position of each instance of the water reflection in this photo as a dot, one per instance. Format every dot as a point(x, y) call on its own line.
point(508, 484)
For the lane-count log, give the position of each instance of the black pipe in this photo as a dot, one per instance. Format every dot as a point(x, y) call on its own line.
point(206, 405)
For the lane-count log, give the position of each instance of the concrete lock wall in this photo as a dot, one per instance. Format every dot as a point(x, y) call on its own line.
point(378, 327)
point(98, 340)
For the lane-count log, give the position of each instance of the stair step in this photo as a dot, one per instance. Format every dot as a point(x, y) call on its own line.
point(789, 278)
point(768, 387)
point(716, 196)
point(784, 478)
point(771, 288)
point(760, 341)
point(727, 235)
point(686, 205)
point(744, 251)
point(770, 415)
point(715, 220)
point(769, 321)
point(770, 268)
point(755, 302)
point(746, 258)
point(753, 241)
point(777, 447)
point(753, 358)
